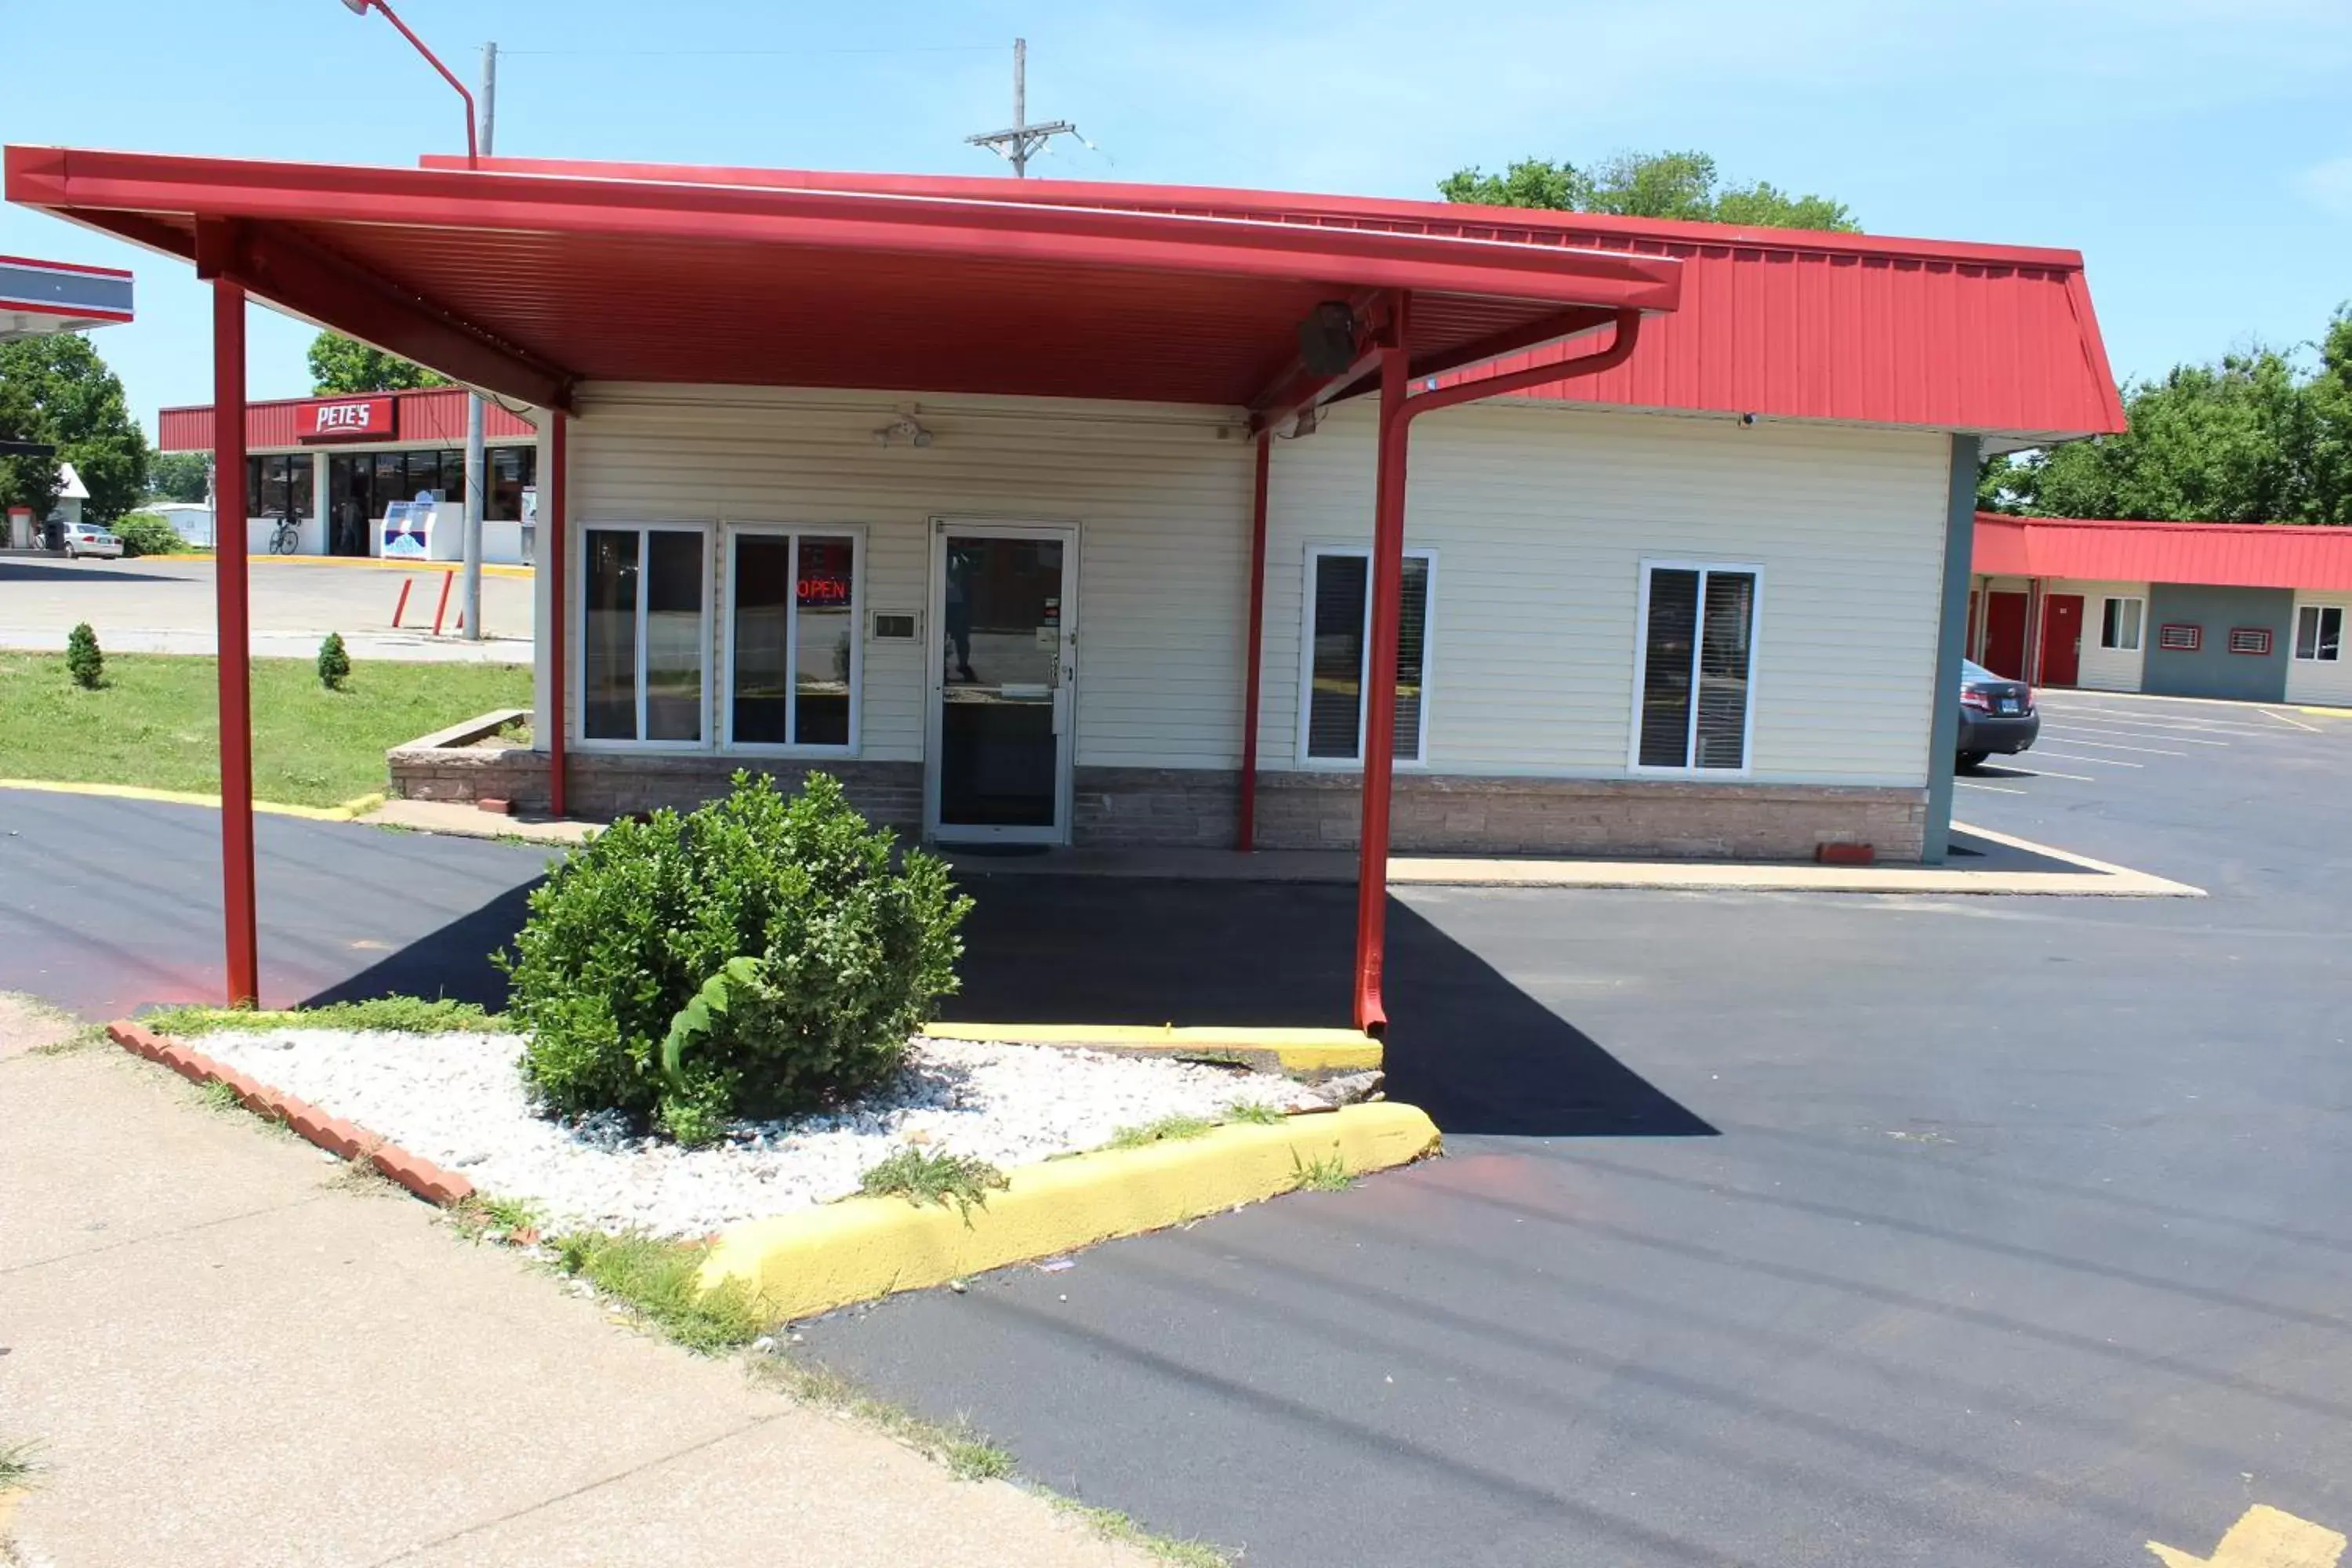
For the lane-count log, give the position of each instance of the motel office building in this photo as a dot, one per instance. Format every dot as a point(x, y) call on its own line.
point(1705, 602)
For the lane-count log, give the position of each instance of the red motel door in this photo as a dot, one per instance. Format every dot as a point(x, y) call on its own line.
point(2004, 644)
point(2062, 639)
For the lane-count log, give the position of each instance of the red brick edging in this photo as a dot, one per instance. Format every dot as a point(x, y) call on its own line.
point(339, 1138)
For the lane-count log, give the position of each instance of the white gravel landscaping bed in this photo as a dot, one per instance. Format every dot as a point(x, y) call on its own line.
point(457, 1099)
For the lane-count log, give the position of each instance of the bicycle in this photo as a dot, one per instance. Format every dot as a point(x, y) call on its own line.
point(286, 539)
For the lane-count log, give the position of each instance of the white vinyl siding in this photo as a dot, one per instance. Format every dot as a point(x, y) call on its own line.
point(2107, 668)
point(1161, 498)
point(2326, 683)
point(1543, 516)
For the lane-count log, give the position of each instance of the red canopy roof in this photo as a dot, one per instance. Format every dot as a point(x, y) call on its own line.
point(423, 416)
point(2224, 555)
point(527, 283)
point(528, 275)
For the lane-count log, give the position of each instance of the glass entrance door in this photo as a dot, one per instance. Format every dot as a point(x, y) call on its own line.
point(1004, 661)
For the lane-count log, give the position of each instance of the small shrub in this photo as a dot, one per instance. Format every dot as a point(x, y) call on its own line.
point(148, 534)
point(934, 1178)
point(334, 664)
point(83, 659)
point(626, 975)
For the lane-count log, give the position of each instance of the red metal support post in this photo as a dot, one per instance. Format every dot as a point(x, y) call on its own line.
point(1255, 634)
point(1399, 408)
point(1380, 692)
point(229, 511)
point(555, 541)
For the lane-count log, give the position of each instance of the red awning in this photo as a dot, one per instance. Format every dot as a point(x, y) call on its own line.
point(2231, 556)
point(527, 283)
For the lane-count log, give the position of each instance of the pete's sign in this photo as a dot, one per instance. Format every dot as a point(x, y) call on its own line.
point(346, 419)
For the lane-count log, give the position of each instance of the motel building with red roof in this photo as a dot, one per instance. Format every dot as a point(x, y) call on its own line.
point(2250, 611)
point(1075, 513)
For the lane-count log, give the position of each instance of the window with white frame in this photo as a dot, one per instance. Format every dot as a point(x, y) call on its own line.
point(1339, 614)
point(793, 645)
point(2119, 622)
point(645, 634)
point(1695, 661)
point(2319, 633)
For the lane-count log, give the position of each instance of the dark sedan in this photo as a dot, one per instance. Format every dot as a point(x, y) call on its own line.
point(1996, 714)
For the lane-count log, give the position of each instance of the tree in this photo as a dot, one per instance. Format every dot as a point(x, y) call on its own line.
point(1646, 185)
point(2250, 440)
point(56, 389)
point(178, 476)
point(338, 363)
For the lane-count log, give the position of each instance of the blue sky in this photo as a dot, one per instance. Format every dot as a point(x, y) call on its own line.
point(2198, 152)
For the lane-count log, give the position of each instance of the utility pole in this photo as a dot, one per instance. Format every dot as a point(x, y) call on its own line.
point(469, 595)
point(1020, 141)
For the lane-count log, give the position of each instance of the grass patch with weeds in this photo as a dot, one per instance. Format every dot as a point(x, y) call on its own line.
point(1257, 1113)
point(155, 723)
point(1167, 1130)
point(660, 1279)
point(967, 1454)
point(921, 1176)
point(481, 1215)
point(87, 1037)
point(19, 1462)
point(219, 1096)
point(396, 1014)
point(1321, 1174)
point(1113, 1525)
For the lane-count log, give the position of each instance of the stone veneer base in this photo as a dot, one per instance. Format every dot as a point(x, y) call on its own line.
point(1197, 807)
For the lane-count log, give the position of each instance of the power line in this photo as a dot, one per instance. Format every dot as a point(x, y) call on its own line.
point(1021, 142)
point(751, 54)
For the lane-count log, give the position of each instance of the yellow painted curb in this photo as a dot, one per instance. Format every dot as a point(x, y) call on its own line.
point(854, 1250)
point(343, 813)
point(1296, 1050)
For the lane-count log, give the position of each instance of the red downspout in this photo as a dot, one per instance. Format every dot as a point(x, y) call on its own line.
point(1399, 409)
point(1246, 835)
point(236, 643)
point(559, 531)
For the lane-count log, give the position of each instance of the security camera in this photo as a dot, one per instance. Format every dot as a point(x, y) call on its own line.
point(1747, 419)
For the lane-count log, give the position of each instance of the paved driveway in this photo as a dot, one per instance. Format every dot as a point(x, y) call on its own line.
point(1776, 1229)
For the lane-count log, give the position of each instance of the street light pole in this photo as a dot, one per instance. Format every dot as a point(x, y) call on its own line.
point(360, 8)
point(469, 581)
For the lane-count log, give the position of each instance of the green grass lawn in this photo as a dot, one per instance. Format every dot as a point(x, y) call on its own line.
point(155, 723)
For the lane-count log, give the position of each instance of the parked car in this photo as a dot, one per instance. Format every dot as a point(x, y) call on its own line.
point(89, 538)
point(1996, 714)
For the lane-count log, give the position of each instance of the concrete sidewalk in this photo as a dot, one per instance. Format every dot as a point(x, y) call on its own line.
point(229, 1358)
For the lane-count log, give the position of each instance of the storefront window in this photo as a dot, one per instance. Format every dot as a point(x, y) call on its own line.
point(279, 486)
point(643, 634)
point(511, 468)
point(792, 639)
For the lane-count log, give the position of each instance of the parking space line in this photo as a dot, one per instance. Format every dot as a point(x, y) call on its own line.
point(1996, 789)
point(2075, 738)
point(2109, 762)
point(2192, 726)
point(2293, 723)
point(2054, 774)
point(2090, 727)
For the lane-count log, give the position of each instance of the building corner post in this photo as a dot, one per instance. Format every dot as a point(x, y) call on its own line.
point(230, 508)
point(1379, 693)
point(1944, 728)
point(555, 541)
point(1254, 633)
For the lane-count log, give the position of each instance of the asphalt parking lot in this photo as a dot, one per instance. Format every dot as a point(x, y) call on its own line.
point(1774, 1229)
point(166, 605)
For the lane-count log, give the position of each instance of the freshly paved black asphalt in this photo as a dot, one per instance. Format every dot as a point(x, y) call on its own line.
point(1774, 1229)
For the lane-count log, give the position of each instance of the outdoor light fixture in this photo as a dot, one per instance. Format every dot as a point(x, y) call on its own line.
point(1327, 339)
point(361, 7)
point(905, 428)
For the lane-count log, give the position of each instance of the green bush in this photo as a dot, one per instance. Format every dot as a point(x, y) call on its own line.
point(763, 946)
point(334, 664)
point(83, 659)
point(148, 534)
